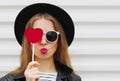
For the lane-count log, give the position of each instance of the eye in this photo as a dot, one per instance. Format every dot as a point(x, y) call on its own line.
point(51, 36)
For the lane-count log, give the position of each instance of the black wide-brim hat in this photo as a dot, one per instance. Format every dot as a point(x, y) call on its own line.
point(26, 13)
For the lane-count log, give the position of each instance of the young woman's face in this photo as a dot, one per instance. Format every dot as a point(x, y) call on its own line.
point(44, 49)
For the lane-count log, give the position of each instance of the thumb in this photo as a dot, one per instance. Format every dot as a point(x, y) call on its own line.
point(33, 64)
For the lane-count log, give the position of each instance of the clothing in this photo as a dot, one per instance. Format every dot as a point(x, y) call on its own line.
point(64, 74)
point(48, 76)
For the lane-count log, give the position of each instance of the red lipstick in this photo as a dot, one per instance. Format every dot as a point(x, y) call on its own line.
point(43, 50)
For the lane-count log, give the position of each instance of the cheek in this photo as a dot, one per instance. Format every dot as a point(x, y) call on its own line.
point(36, 47)
point(54, 47)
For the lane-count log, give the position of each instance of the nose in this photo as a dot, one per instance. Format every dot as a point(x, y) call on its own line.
point(43, 40)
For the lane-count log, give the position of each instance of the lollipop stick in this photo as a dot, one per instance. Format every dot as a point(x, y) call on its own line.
point(32, 52)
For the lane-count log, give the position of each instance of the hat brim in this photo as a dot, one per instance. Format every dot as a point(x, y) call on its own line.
point(25, 14)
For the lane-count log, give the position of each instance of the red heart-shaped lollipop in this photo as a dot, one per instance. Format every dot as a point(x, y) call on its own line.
point(33, 35)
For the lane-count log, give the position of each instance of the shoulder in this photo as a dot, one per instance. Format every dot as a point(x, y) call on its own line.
point(13, 77)
point(8, 77)
point(75, 77)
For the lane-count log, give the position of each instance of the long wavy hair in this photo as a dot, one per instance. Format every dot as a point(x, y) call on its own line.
point(61, 53)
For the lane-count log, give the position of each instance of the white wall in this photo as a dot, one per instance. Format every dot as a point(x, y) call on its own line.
point(95, 51)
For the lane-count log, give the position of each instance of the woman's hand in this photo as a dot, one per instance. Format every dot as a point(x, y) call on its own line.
point(32, 73)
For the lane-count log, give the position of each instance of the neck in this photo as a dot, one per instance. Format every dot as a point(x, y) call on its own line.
point(46, 65)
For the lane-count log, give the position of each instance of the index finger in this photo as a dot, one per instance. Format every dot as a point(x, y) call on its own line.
point(32, 64)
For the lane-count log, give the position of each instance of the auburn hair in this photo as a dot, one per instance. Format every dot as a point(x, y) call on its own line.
point(61, 53)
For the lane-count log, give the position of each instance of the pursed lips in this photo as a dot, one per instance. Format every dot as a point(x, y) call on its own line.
point(43, 50)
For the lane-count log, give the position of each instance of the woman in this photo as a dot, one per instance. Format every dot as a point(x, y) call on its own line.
point(51, 59)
